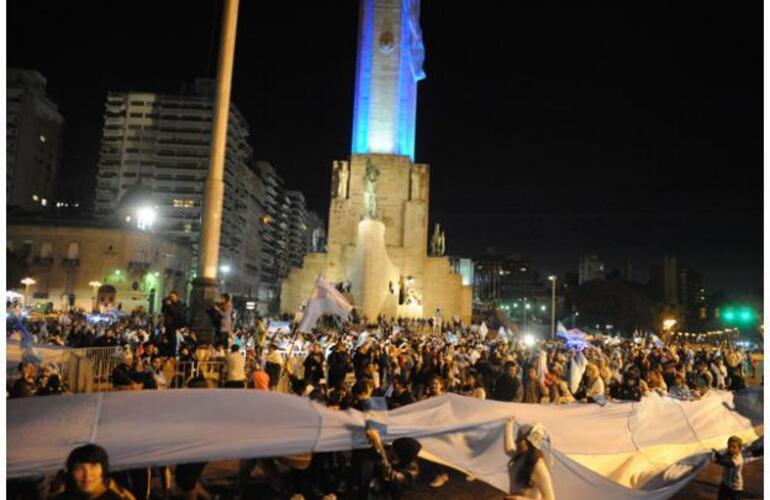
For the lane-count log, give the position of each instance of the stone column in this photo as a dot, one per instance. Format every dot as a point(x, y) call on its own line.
point(205, 287)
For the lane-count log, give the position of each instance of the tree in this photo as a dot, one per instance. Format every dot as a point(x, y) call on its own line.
point(626, 306)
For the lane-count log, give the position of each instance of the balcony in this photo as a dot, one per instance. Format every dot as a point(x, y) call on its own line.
point(70, 262)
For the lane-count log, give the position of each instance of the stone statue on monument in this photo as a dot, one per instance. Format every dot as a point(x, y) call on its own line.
point(343, 175)
point(370, 190)
point(335, 179)
point(435, 241)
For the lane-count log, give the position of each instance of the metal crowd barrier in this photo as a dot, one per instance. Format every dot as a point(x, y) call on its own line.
point(90, 369)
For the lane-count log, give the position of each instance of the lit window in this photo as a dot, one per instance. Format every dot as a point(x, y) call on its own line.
point(35, 197)
point(188, 228)
point(183, 203)
point(42, 138)
point(44, 202)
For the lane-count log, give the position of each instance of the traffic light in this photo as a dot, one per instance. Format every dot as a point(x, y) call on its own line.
point(739, 315)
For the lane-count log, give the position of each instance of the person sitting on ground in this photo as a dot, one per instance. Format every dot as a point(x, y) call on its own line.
point(731, 486)
point(530, 477)
point(396, 471)
point(680, 390)
point(594, 384)
point(87, 476)
point(121, 374)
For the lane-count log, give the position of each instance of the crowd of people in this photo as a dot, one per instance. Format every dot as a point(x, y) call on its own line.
point(347, 365)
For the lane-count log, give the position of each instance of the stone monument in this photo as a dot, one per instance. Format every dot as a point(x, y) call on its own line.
point(378, 216)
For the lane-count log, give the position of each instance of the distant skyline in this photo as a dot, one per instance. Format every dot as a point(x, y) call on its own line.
point(620, 131)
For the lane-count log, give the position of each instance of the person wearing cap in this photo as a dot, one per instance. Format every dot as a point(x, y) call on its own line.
point(87, 476)
point(530, 477)
point(397, 471)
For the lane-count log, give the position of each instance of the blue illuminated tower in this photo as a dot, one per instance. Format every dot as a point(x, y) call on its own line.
point(389, 65)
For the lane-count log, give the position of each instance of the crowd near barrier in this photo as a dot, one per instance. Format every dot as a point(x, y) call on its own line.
point(90, 369)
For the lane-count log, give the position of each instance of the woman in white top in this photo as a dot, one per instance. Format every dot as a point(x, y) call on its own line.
point(594, 383)
point(530, 477)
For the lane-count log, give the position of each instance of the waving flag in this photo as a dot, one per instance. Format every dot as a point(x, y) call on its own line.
point(326, 300)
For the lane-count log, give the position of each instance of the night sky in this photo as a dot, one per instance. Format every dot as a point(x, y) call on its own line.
point(616, 130)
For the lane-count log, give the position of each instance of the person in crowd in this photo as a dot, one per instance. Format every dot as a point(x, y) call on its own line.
point(339, 364)
point(274, 365)
point(224, 319)
point(26, 385)
point(680, 390)
point(314, 364)
point(398, 470)
point(507, 385)
point(534, 389)
point(87, 476)
point(594, 384)
point(530, 477)
point(401, 395)
point(235, 374)
point(174, 317)
point(731, 486)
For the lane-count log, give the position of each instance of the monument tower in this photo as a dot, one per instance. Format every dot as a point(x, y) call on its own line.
point(378, 218)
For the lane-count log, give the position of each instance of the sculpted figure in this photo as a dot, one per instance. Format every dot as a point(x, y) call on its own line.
point(370, 190)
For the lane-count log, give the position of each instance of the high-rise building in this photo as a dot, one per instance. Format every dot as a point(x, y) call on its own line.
point(33, 141)
point(691, 293)
point(506, 278)
point(298, 228)
point(274, 233)
point(664, 279)
point(154, 160)
point(590, 268)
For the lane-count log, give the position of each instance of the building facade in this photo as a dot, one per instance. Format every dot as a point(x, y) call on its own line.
point(590, 268)
point(88, 263)
point(506, 279)
point(159, 144)
point(664, 281)
point(34, 128)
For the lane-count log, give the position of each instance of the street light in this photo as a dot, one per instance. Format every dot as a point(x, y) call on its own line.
point(145, 217)
point(27, 282)
point(225, 270)
point(552, 279)
point(95, 285)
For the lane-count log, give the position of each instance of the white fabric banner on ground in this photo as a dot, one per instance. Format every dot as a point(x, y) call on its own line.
point(629, 450)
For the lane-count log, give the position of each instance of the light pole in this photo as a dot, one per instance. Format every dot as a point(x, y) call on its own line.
point(552, 278)
point(527, 305)
point(205, 289)
point(574, 318)
point(27, 282)
point(95, 285)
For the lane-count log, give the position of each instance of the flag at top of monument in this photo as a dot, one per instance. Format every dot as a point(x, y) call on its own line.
point(325, 300)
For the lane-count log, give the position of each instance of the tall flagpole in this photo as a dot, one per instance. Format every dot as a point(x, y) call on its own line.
point(205, 287)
